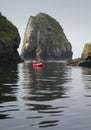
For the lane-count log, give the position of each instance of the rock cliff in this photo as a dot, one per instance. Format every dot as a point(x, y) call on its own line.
point(44, 39)
point(86, 51)
point(9, 42)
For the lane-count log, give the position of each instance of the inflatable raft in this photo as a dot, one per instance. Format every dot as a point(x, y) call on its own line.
point(35, 65)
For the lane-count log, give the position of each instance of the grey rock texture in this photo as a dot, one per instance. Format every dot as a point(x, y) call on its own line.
point(44, 39)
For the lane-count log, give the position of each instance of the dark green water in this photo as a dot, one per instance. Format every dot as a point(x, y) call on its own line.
point(51, 98)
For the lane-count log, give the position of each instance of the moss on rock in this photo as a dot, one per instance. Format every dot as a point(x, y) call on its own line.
point(9, 41)
point(86, 50)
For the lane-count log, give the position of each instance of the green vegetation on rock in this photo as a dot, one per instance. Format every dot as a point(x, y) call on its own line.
point(86, 50)
point(8, 32)
point(9, 41)
point(45, 20)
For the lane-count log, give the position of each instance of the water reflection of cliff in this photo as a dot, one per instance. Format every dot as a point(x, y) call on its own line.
point(41, 88)
point(8, 88)
point(46, 83)
point(86, 75)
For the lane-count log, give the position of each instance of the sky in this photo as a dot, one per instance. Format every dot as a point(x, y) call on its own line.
point(73, 15)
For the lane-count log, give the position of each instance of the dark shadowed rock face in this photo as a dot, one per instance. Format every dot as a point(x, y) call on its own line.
point(9, 42)
point(44, 39)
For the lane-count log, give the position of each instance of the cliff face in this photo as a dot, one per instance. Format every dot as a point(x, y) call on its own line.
point(9, 42)
point(44, 39)
point(86, 51)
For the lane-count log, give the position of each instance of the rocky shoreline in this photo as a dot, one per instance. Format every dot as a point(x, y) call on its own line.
point(44, 39)
point(80, 62)
point(85, 59)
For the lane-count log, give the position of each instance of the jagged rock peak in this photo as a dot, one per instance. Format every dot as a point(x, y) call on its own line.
point(44, 39)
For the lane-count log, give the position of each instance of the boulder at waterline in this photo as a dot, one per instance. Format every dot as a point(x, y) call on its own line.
point(44, 39)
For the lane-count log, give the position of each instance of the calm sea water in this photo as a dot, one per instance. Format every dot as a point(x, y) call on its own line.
point(53, 97)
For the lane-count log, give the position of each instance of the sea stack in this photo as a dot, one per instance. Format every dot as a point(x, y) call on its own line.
point(44, 39)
